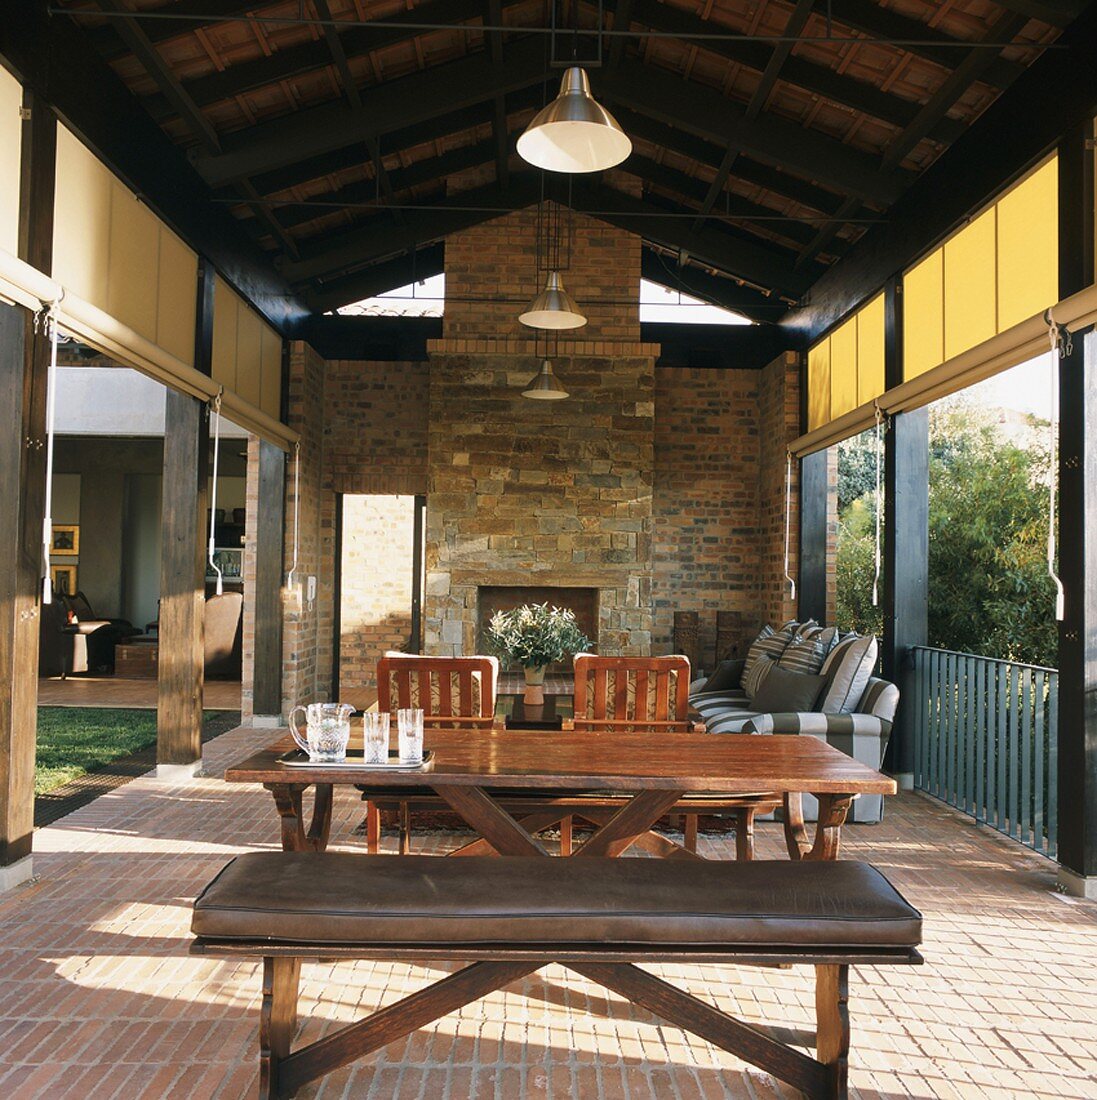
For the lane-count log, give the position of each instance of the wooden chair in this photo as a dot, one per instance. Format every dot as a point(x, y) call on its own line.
point(620, 693)
point(452, 691)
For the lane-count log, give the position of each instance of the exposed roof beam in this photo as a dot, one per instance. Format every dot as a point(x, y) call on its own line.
point(194, 14)
point(708, 114)
point(1058, 92)
point(433, 169)
point(191, 114)
point(707, 153)
point(762, 265)
point(926, 41)
point(954, 85)
point(758, 100)
point(809, 75)
point(350, 89)
point(385, 107)
point(1056, 13)
point(421, 264)
point(347, 250)
point(493, 12)
point(357, 41)
point(54, 58)
point(694, 190)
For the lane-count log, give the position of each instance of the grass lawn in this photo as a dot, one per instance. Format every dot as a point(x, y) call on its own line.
point(76, 740)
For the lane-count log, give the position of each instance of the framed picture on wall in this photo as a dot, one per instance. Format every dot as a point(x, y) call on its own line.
point(66, 539)
point(64, 579)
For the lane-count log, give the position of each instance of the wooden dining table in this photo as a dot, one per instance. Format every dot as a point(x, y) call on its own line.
point(651, 772)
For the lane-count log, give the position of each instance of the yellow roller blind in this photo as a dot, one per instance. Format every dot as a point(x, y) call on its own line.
point(247, 352)
point(846, 368)
point(113, 252)
point(11, 99)
point(1000, 269)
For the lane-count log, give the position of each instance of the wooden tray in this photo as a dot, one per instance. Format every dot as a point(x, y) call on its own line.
point(355, 761)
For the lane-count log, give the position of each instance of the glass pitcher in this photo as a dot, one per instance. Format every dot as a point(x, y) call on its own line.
point(327, 731)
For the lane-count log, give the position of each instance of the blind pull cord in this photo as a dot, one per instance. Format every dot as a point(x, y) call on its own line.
point(1060, 344)
point(788, 523)
point(215, 407)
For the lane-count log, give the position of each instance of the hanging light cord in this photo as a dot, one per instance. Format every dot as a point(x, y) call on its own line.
point(215, 406)
point(51, 423)
point(1060, 344)
point(296, 511)
point(879, 504)
point(788, 524)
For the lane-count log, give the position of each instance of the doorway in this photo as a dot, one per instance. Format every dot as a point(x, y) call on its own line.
point(379, 587)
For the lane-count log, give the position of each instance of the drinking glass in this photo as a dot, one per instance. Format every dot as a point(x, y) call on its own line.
point(375, 729)
point(410, 723)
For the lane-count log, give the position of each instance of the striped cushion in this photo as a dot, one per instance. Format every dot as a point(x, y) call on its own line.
point(848, 669)
point(815, 723)
point(753, 680)
point(770, 643)
point(731, 721)
point(808, 650)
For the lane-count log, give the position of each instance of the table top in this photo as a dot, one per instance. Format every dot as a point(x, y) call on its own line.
point(733, 764)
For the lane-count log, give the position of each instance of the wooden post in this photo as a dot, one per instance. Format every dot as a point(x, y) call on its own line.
point(182, 566)
point(812, 589)
point(267, 594)
point(905, 581)
point(24, 366)
point(1077, 734)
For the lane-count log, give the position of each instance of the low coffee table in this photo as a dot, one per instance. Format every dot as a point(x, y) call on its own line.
point(549, 715)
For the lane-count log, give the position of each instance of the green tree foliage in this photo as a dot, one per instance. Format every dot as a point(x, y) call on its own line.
point(989, 592)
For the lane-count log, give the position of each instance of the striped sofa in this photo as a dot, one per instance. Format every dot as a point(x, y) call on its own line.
point(863, 733)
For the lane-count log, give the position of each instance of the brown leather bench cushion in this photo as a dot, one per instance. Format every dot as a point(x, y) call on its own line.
point(349, 898)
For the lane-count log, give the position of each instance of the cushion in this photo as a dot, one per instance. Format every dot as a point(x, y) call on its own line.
point(784, 691)
point(848, 669)
point(753, 679)
point(808, 650)
point(769, 643)
point(726, 676)
point(347, 897)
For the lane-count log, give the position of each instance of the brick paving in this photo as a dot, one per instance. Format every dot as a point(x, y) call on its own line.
point(99, 998)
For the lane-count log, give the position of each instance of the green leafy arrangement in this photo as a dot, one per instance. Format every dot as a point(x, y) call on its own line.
point(535, 635)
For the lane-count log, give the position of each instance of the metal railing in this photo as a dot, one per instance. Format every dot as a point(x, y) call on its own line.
point(986, 741)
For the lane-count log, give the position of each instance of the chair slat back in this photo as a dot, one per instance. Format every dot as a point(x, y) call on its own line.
point(623, 692)
point(452, 691)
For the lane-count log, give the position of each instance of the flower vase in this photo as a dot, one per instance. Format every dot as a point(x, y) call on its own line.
point(534, 694)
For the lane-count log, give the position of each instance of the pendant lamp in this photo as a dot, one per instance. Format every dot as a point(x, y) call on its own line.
point(544, 385)
point(553, 308)
point(574, 133)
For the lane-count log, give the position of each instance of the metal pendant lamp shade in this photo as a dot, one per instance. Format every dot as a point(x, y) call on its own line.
point(553, 308)
point(544, 385)
point(574, 133)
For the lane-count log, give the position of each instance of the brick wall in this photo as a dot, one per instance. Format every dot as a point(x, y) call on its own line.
point(490, 278)
point(307, 641)
point(705, 513)
point(778, 425)
point(375, 429)
point(251, 505)
point(375, 604)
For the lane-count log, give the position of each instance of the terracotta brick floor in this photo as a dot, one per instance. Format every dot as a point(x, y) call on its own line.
point(99, 998)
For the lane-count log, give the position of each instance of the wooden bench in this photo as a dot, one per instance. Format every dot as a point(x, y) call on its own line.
point(509, 916)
